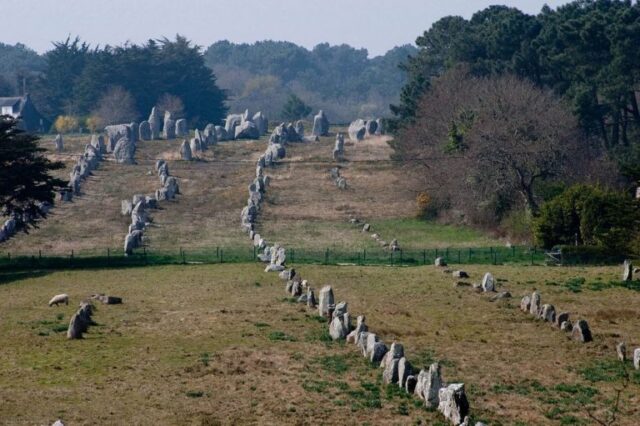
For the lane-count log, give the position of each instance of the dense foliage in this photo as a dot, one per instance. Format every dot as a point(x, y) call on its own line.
point(586, 51)
point(341, 80)
point(295, 109)
point(77, 77)
point(25, 179)
point(589, 215)
point(19, 67)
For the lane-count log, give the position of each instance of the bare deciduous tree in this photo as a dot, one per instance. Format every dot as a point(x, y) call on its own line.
point(171, 103)
point(116, 106)
point(482, 144)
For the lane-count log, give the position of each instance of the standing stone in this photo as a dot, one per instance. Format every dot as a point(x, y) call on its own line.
point(339, 326)
point(195, 145)
point(134, 129)
point(395, 352)
point(370, 127)
point(261, 122)
point(77, 326)
point(299, 129)
point(124, 151)
point(581, 332)
point(566, 326)
point(636, 358)
point(627, 273)
point(97, 141)
point(59, 143)
point(144, 131)
point(169, 127)
point(428, 384)
point(311, 298)
point(232, 121)
point(247, 130)
point(404, 371)
point(320, 124)
point(111, 144)
point(182, 129)
point(535, 304)
point(372, 339)
point(390, 373)
point(560, 318)
point(548, 313)
point(377, 353)
point(621, 351)
point(357, 130)
point(488, 283)
point(410, 384)
point(525, 304)
point(185, 151)
point(440, 262)
point(325, 301)
point(380, 128)
point(453, 403)
point(155, 122)
point(360, 328)
point(221, 133)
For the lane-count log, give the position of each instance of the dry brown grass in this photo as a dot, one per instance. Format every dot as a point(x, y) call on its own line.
point(144, 362)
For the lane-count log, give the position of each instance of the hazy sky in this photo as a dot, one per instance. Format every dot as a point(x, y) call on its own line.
point(376, 25)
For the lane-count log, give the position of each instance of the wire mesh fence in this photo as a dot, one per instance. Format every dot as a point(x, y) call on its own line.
point(112, 258)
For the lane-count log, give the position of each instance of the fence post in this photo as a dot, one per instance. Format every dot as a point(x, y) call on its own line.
point(221, 256)
point(183, 256)
point(254, 253)
point(364, 255)
point(531, 257)
point(436, 252)
point(293, 255)
point(144, 253)
point(458, 256)
point(39, 254)
point(513, 251)
point(326, 256)
point(400, 256)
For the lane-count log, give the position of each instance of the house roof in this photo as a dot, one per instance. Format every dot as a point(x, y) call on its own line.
point(9, 101)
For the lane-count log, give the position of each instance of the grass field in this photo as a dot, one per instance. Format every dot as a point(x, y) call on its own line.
point(303, 209)
point(222, 344)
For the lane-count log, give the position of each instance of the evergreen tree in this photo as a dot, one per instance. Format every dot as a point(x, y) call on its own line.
point(295, 108)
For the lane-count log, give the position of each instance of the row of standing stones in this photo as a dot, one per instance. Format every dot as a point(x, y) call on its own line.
point(138, 208)
point(81, 319)
point(366, 227)
point(427, 384)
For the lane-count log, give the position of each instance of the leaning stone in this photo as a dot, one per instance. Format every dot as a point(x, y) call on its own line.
point(621, 351)
point(488, 283)
point(366, 227)
point(76, 327)
point(325, 300)
point(453, 403)
point(311, 299)
point(627, 273)
point(581, 332)
point(404, 371)
point(548, 313)
point(390, 373)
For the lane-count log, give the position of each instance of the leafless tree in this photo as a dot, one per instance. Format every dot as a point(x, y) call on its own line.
point(482, 144)
point(171, 103)
point(115, 107)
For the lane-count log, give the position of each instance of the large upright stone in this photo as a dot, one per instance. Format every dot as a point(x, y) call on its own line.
point(247, 130)
point(298, 128)
point(182, 129)
point(453, 403)
point(390, 373)
point(621, 351)
point(232, 121)
point(581, 332)
point(320, 124)
point(155, 123)
point(339, 326)
point(134, 129)
point(325, 301)
point(380, 128)
point(534, 309)
point(357, 130)
point(124, 151)
point(58, 143)
point(169, 127)
point(636, 358)
point(221, 133)
point(209, 134)
point(627, 273)
point(370, 127)
point(404, 370)
point(97, 141)
point(428, 384)
point(488, 282)
point(119, 131)
point(144, 131)
point(261, 122)
point(548, 313)
point(185, 151)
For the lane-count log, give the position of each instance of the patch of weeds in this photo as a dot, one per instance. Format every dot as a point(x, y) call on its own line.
point(59, 328)
point(575, 284)
point(335, 364)
point(316, 318)
point(60, 317)
point(297, 356)
point(205, 358)
point(402, 409)
point(195, 394)
point(610, 370)
point(289, 300)
point(630, 285)
point(257, 284)
point(340, 402)
point(394, 391)
point(261, 325)
point(368, 396)
point(318, 386)
point(319, 335)
point(280, 336)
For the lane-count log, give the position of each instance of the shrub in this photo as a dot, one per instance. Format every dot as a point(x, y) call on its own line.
point(588, 215)
point(66, 124)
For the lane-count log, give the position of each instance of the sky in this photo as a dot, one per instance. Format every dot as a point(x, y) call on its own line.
point(377, 25)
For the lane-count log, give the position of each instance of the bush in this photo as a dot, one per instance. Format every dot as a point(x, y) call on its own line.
point(66, 124)
point(589, 215)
